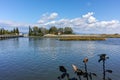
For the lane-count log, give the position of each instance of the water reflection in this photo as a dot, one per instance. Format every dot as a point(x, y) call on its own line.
point(38, 58)
point(16, 42)
point(34, 42)
point(90, 51)
point(46, 46)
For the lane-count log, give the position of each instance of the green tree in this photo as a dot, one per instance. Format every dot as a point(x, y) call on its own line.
point(3, 31)
point(61, 30)
point(0, 31)
point(35, 30)
point(44, 31)
point(11, 32)
point(7, 32)
point(41, 33)
point(17, 30)
point(53, 30)
point(68, 30)
point(14, 30)
point(30, 31)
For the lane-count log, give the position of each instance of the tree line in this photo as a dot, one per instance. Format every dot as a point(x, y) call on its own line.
point(41, 31)
point(3, 31)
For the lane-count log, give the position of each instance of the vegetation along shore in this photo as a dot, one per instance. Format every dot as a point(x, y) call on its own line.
point(67, 34)
point(62, 34)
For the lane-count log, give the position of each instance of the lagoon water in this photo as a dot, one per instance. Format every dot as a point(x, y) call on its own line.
point(39, 59)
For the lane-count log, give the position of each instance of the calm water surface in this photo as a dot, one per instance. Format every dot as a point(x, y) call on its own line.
point(38, 59)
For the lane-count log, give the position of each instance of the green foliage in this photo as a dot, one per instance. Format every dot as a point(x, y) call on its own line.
point(61, 30)
point(30, 31)
point(2, 31)
point(68, 30)
point(44, 31)
point(36, 31)
point(14, 31)
point(17, 30)
point(53, 30)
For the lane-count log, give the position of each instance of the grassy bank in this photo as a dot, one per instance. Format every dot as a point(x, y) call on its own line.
point(110, 35)
point(91, 37)
point(81, 39)
point(88, 38)
point(76, 37)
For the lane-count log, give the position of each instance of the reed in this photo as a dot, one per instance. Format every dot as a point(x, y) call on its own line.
point(81, 38)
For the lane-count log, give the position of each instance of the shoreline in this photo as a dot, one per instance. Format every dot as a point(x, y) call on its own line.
point(75, 37)
point(91, 37)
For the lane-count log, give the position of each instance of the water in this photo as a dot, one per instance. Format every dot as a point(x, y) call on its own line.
point(38, 59)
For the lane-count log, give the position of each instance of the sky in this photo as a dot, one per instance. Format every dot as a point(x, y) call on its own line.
point(83, 16)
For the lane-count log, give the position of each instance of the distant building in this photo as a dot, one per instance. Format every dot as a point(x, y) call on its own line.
point(20, 33)
point(25, 35)
point(59, 33)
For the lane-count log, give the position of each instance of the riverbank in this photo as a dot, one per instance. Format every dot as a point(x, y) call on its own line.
point(110, 35)
point(75, 37)
point(2, 37)
point(90, 37)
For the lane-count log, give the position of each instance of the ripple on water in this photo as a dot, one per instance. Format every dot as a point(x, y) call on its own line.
point(38, 59)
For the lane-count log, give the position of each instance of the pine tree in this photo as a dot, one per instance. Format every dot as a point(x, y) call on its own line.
point(30, 31)
point(17, 30)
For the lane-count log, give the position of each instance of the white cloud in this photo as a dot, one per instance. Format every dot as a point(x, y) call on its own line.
point(53, 16)
point(92, 19)
point(9, 25)
point(12, 24)
point(47, 17)
point(85, 24)
point(108, 24)
point(41, 21)
point(89, 14)
point(89, 17)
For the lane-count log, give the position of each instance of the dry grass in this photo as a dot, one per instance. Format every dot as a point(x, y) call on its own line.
point(83, 37)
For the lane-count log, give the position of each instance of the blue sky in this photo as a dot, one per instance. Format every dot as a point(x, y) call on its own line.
point(84, 16)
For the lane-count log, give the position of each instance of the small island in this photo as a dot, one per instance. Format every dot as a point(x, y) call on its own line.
point(67, 34)
point(61, 34)
point(75, 37)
